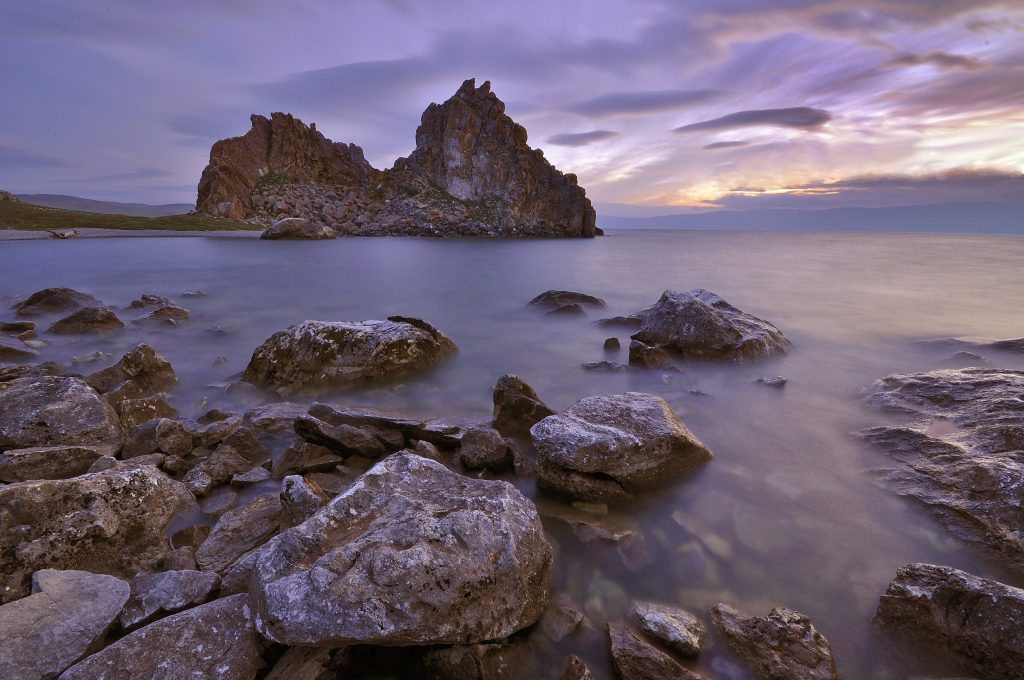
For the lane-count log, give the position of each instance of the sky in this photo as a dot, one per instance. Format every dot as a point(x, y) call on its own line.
point(657, 106)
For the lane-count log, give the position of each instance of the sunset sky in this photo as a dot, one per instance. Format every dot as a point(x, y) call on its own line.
point(665, 106)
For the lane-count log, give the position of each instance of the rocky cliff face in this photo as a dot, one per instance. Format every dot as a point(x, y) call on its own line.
point(472, 173)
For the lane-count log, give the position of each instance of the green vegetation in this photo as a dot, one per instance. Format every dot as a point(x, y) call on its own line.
point(271, 179)
point(26, 216)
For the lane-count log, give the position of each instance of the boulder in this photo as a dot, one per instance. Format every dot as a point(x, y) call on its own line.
point(320, 354)
point(46, 462)
point(567, 310)
point(147, 301)
point(237, 454)
point(66, 617)
point(782, 646)
point(603, 446)
point(517, 407)
point(15, 351)
point(160, 435)
point(672, 627)
point(182, 646)
point(979, 620)
point(113, 522)
point(87, 320)
point(604, 366)
point(238, 531)
point(54, 300)
point(166, 592)
point(485, 448)
point(700, 325)
point(135, 412)
point(297, 228)
point(141, 372)
point(629, 321)
point(342, 439)
point(968, 468)
point(635, 659)
point(167, 314)
point(385, 427)
point(646, 356)
point(46, 410)
point(612, 345)
point(553, 299)
point(411, 554)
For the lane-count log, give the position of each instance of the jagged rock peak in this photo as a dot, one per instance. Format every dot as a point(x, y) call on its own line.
point(472, 173)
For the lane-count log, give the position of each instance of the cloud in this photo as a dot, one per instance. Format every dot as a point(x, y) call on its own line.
point(939, 59)
point(724, 145)
point(138, 173)
point(581, 138)
point(16, 157)
point(799, 117)
point(650, 101)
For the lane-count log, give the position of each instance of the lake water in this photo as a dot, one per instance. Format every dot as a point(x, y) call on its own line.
point(786, 514)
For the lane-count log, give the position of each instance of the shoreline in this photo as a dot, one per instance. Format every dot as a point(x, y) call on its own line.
point(90, 232)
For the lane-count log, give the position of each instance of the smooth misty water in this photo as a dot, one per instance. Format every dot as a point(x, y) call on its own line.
point(788, 512)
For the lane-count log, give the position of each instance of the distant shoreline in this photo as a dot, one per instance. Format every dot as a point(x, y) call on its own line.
point(37, 234)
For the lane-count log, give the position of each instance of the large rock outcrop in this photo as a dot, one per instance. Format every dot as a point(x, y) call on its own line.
point(471, 173)
point(980, 621)
point(700, 325)
point(411, 554)
point(962, 451)
point(315, 355)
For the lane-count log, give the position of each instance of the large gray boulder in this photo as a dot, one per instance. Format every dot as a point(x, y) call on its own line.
point(315, 355)
point(980, 621)
point(961, 451)
point(297, 228)
point(113, 522)
point(609, 445)
point(46, 410)
point(701, 325)
point(411, 554)
point(67, 615)
point(214, 640)
point(781, 646)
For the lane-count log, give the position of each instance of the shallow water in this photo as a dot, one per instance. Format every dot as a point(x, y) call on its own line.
point(788, 512)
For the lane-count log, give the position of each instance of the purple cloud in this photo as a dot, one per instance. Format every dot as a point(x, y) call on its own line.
point(799, 117)
point(724, 145)
point(581, 138)
point(615, 103)
point(939, 59)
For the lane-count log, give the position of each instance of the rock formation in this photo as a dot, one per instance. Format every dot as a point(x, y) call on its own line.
point(471, 173)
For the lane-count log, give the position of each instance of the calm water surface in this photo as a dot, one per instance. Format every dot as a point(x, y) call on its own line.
point(787, 514)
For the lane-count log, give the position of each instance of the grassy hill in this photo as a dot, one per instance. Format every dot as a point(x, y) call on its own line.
point(105, 207)
point(16, 215)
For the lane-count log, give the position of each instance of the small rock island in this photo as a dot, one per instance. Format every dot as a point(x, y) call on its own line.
point(471, 174)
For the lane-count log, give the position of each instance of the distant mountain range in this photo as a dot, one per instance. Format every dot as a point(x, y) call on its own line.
point(106, 207)
point(965, 218)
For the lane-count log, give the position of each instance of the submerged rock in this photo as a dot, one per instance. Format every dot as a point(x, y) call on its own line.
point(67, 615)
point(674, 628)
point(555, 299)
point(113, 522)
point(411, 554)
point(297, 228)
point(88, 320)
point(646, 356)
point(604, 366)
point(182, 646)
point(962, 454)
point(54, 300)
point(16, 350)
point(980, 621)
point(314, 355)
point(782, 646)
point(701, 325)
point(567, 310)
point(517, 407)
point(607, 445)
point(47, 410)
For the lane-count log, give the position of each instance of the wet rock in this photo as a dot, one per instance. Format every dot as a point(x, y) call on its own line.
point(44, 410)
point(635, 659)
point(605, 367)
point(500, 660)
point(146, 301)
point(166, 592)
point(438, 433)
point(14, 351)
point(428, 450)
point(53, 300)
point(588, 527)
point(237, 454)
point(46, 462)
point(560, 619)
point(300, 500)
point(646, 356)
point(555, 299)
point(253, 476)
point(88, 320)
point(612, 345)
point(567, 310)
point(222, 499)
point(141, 372)
point(341, 439)
point(17, 326)
point(167, 314)
point(135, 412)
point(160, 435)
point(411, 554)
point(630, 321)
point(672, 627)
point(776, 381)
point(783, 645)
point(629, 441)
point(979, 620)
point(575, 669)
point(309, 663)
point(321, 354)
point(304, 457)
point(113, 522)
point(484, 448)
point(700, 325)
point(297, 228)
point(238, 531)
point(517, 407)
point(67, 615)
point(181, 646)
point(960, 452)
